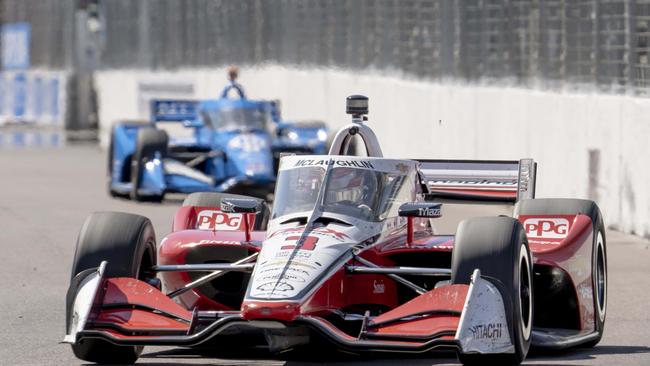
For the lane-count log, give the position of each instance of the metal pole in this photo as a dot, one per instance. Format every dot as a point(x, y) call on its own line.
point(395, 277)
point(209, 277)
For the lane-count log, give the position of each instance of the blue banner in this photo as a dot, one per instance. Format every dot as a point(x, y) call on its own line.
point(15, 46)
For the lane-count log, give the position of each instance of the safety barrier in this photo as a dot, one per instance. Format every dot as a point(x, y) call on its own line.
point(33, 97)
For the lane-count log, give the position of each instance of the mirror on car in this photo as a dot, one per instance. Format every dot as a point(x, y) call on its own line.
point(241, 205)
point(420, 209)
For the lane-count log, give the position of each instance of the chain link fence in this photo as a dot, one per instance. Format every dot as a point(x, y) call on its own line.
point(52, 29)
point(547, 43)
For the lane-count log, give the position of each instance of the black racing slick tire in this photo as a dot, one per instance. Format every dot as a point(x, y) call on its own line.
point(127, 243)
point(569, 206)
point(149, 141)
point(111, 150)
point(498, 247)
point(212, 199)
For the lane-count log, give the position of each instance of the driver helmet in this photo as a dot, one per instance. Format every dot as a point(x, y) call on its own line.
point(233, 73)
point(352, 185)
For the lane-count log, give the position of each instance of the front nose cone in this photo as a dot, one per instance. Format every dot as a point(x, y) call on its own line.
point(278, 310)
point(250, 155)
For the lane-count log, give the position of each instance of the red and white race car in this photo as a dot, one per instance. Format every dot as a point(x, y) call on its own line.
point(365, 253)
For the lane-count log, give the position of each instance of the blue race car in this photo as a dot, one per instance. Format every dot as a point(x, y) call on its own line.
point(235, 147)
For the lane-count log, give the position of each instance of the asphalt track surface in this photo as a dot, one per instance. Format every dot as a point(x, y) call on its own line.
point(46, 194)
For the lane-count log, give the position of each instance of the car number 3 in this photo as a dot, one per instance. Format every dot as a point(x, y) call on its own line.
point(308, 244)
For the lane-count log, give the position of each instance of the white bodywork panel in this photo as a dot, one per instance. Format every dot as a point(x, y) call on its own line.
point(283, 273)
point(175, 167)
point(83, 303)
point(366, 133)
point(483, 327)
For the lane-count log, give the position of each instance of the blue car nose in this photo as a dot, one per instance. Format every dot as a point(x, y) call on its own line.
point(250, 155)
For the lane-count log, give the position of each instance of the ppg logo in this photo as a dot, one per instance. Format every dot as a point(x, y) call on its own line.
point(548, 228)
point(217, 220)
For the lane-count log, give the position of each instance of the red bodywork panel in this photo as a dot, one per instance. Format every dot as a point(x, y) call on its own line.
point(440, 304)
point(127, 305)
point(571, 253)
point(135, 320)
point(177, 245)
point(126, 313)
point(131, 292)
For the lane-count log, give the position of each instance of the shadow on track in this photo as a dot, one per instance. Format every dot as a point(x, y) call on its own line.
point(576, 354)
point(261, 356)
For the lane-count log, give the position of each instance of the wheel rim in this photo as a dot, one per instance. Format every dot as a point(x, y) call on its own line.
point(600, 280)
point(525, 301)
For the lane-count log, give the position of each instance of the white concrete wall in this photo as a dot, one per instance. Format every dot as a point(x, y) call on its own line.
point(421, 119)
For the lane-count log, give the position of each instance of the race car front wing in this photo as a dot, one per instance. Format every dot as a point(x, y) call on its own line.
point(125, 311)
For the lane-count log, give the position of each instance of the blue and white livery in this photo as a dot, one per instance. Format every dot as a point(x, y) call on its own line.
point(235, 147)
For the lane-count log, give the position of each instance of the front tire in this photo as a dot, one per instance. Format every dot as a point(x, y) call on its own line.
point(111, 150)
point(498, 247)
point(128, 243)
point(149, 141)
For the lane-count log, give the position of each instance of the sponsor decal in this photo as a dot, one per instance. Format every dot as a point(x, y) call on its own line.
point(545, 242)
point(337, 163)
point(319, 231)
point(210, 241)
point(300, 254)
point(474, 182)
point(429, 212)
point(309, 243)
point(286, 277)
point(218, 221)
point(281, 263)
point(378, 287)
point(487, 331)
point(287, 269)
point(275, 287)
point(525, 175)
point(249, 143)
point(547, 228)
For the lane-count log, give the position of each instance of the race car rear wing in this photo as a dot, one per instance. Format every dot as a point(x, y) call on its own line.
point(482, 180)
point(182, 110)
point(169, 110)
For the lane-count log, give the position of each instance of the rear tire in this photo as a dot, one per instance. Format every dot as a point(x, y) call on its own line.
point(569, 206)
point(149, 141)
point(498, 247)
point(128, 243)
point(212, 199)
